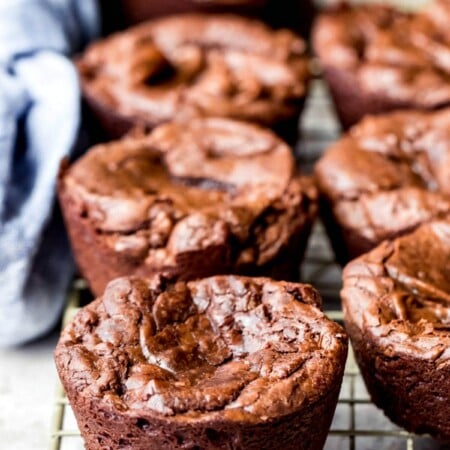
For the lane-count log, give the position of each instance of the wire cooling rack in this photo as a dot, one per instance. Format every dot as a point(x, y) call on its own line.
point(357, 424)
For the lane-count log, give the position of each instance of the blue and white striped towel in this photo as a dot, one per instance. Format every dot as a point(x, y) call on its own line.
point(39, 125)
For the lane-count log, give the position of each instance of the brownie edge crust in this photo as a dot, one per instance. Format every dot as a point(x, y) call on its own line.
point(220, 363)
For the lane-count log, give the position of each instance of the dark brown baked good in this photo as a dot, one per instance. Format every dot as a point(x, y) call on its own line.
point(376, 59)
point(188, 200)
point(220, 363)
point(385, 177)
point(196, 66)
point(294, 14)
point(396, 303)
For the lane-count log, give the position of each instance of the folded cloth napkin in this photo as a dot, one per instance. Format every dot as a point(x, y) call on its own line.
point(39, 125)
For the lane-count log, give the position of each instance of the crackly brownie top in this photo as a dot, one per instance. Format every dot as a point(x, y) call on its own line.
point(191, 186)
point(399, 56)
point(390, 172)
point(198, 65)
point(221, 348)
point(399, 293)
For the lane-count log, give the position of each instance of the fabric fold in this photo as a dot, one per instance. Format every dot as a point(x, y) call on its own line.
point(39, 123)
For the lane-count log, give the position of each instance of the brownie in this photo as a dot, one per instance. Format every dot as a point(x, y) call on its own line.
point(195, 65)
point(294, 14)
point(376, 59)
point(385, 177)
point(188, 200)
point(396, 303)
point(221, 363)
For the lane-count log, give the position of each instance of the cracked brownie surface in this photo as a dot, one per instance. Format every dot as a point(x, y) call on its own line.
point(385, 177)
point(377, 59)
point(214, 352)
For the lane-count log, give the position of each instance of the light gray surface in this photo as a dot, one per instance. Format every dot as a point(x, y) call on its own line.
point(27, 390)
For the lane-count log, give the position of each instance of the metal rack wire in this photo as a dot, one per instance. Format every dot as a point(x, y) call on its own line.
point(358, 424)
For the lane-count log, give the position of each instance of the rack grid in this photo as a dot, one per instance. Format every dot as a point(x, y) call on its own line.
point(357, 424)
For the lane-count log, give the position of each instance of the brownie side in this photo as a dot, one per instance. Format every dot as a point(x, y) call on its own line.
point(352, 103)
point(396, 309)
point(347, 243)
point(287, 264)
point(103, 428)
point(407, 389)
point(289, 129)
point(114, 125)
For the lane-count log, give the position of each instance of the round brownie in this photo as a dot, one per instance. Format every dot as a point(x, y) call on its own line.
point(188, 200)
point(219, 363)
point(388, 175)
point(294, 14)
point(195, 65)
point(396, 303)
point(376, 59)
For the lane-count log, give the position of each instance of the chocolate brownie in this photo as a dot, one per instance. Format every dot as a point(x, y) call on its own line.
point(196, 65)
point(396, 303)
point(220, 363)
point(385, 177)
point(188, 200)
point(376, 59)
point(294, 14)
